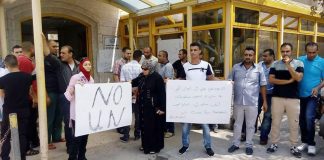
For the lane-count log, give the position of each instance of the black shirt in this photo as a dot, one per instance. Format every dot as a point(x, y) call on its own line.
point(16, 88)
point(52, 69)
point(178, 68)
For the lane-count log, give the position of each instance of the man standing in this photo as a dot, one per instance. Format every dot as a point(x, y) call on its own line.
point(126, 53)
point(69, 67)
point(249, 80)
point(309, 88)
point(197, 70)
point(178, 65)
point(285, 75)
point(268, 58)
point(128, 72)
point(165, 69)
point(148, 55)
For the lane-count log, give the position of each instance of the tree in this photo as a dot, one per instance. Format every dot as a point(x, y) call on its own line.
point(318, 8)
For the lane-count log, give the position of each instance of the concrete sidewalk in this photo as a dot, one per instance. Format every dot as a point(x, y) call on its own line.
point(106, 146)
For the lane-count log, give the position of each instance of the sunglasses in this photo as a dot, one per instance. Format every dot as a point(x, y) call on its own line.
point(145, 69)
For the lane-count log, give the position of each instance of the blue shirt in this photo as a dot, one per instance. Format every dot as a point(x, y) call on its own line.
point(165, 70)
point(266, 71)
point(247, 84)
point(313, 74)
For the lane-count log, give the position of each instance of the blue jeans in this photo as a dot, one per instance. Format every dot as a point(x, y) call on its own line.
point(266, 122)
point(307, 119)
point(186, 131)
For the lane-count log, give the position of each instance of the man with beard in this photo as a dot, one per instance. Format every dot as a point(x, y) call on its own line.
point(248, 80)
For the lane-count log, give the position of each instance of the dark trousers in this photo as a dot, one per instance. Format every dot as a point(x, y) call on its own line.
point(32, 135)
point(22, 118)
point(307, 116)
point(137, 131)
point(51, 114)
point(78, 146)
point(65, 105)
point(266, 122)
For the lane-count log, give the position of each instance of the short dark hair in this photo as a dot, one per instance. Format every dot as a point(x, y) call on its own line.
point(312, 44)
point(196, 44)
point(11, 60)
point(148, 48)
point(15, 47)
point(184, 51)
point(271, 52)
point(137, 54)
point(165, 53)
point(125, 48)
point(27, 46)
point(249, 48)
point(70, 49)
point(287, 44)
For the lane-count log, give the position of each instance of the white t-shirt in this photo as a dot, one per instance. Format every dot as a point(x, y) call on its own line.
point(198, 71)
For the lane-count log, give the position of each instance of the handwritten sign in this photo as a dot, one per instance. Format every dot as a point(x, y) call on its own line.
point(102, 106)
point(202, 102)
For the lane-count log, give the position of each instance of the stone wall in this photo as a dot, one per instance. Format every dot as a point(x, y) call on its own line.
point(100, 18)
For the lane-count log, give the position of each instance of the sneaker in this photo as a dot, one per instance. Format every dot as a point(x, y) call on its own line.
point(124, 139)
point(232, 149)
point(296, 152)
point(302, 147)
point(183, 150)
point(249, 151)
point(210, 152)
point(311, 150)
point(272, 148)
point(168, 134)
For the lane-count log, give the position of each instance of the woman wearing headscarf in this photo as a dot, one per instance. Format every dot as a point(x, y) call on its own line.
point(77, 147)
point(151, 98)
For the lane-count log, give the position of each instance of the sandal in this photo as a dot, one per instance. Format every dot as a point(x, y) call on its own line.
point(32, 152)
point(51, 146)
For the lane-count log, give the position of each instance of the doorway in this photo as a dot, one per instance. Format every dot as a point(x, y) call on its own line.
point(62, 30)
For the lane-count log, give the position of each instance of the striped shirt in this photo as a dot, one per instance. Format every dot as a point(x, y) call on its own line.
point(118, 65)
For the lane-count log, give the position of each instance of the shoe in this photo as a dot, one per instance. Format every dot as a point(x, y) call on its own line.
point(168, 134)
point(311, 150)
point(273, 148)
point(32, 152)
point(263, 142)
point(210, 152)
point(60, 140)
point(51, 146)
point(183, 150)
point(243, 138)
point(124, 139)
point(137, 138)
point(152, 152)
point(296, 152)
point(302, 147)
point(141, 149)
point(249, 151)
point(232, 149)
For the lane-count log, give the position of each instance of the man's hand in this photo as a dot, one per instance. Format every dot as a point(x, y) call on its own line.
point(159, 112)
point(265, 107)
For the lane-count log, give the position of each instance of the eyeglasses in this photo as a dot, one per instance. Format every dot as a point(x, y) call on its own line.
point(145, 69)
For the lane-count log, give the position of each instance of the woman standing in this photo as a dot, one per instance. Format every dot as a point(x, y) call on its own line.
point(151, 100)
point(77, 148)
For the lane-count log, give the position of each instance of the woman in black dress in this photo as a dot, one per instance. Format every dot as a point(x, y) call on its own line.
point(151, 100)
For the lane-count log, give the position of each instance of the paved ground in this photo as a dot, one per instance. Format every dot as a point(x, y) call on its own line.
point(106, 146)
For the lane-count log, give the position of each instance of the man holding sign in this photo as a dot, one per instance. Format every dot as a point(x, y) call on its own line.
point(247, 79)
point(196, 70)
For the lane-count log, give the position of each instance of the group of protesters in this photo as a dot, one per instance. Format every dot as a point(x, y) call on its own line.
point(288, 85)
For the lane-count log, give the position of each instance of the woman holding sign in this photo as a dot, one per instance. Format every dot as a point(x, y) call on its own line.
point(77, 147)
point(151, 98)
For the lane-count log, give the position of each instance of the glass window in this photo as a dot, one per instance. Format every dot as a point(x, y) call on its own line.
point(307, 25)
point(169, 19)
point(241, 39)
point(320, 41)
point(267, 40)
point(292, 38)
point(243, 15)
point(142, 42)
point(291, 22)
point(268, 19)
point(212, 42)
point(303, 40)
point(320, 27)
point(206, 17)
point(143, 24)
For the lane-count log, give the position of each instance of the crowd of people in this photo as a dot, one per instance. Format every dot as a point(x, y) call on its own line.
point(288, 85)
